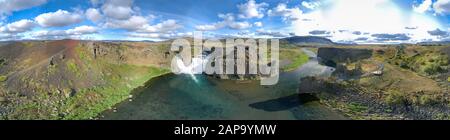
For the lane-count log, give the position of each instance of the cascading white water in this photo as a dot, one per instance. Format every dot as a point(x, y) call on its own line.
point(196, 67)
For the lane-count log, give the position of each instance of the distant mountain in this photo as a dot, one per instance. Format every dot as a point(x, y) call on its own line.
point(434, 43)
point(118, 41)
point(309, 40)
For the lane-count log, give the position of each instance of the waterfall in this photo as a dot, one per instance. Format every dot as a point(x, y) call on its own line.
point(197, 66)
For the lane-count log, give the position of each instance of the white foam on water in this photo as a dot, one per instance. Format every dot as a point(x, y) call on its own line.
point(197, 66)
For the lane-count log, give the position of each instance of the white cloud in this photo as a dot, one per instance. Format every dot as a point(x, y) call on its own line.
point(58, 19)
point(15, 30)
point(423, 7)
point(270, 33)
point(118, 9)
point(60, 34)
point(258, 24)
point(240, 25)
point(228, 21)
point(251, 9)
point(18, 26)
point(442, 7)
point(211, 27)
point(366, 16)
point(8, 6)
point(5, 37)
point(146, 35)
point(119, 14)
point(159, 36)
point(140, 24)
point(82, 30)
point(286, 13)
point(310, 5)
point(132, 24)
point(93, 15)
point(163, 27)
point(46, 34)
point(227, 17)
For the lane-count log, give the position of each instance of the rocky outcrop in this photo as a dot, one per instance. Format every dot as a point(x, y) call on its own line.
point(143, 54)
point(235, 76)
point(333, 56)
point(342, 72)
point(311, 85)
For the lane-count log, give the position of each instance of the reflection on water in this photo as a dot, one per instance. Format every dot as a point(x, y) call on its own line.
point(179, 97)
point(279, 104)
point(285, 103)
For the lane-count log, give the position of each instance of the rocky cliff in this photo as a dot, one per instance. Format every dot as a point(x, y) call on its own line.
point(59, 79)
point(332, 56)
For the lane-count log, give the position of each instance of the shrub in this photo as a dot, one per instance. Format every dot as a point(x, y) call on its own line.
point(395, 98)
point(432, 69)
point(3, 78)
point(2, 61)
point(72, 66)
point(404, 65)
point(428, 100)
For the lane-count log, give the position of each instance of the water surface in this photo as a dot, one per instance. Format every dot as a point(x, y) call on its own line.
point(203, 97)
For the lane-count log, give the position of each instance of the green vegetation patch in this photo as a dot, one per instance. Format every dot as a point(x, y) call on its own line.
point(395, 98)
point(83, 53)
point(72, 66)
point(399, 98)
point(28, 44)
point(3, 78)
point(429, 100)
point(88, 103)
point(2, 62)
point(355, 107)
point(295, 56)
point(425, 61)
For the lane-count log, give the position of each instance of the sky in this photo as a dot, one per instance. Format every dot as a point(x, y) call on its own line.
point(344, 21)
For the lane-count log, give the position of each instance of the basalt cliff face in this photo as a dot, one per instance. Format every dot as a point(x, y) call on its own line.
point(332, 56)
point(244, 60)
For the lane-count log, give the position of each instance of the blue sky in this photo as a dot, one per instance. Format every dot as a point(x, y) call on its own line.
point(359, 21)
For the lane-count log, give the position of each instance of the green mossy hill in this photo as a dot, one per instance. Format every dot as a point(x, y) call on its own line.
point(79, 79)
point(423, 60)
